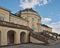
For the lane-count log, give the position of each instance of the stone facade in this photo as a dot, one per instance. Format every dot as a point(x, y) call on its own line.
point(16, 28)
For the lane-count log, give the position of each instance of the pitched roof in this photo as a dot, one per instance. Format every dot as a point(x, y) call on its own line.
point(45, 25)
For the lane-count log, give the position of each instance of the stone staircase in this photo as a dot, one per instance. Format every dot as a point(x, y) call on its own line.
point(48, 36)
point(43, 37)
point(39, 37)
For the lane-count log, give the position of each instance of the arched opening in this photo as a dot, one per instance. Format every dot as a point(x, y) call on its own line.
point(11, 37)
point(22, 37)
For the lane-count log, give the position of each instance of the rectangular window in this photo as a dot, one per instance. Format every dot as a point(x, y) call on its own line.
point(32, 26)
point(1, 18)
point(38, 29)
point(38, 21)
point(33, 20)
point(32, 23)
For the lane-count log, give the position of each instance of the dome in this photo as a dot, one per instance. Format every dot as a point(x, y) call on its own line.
point(28, 10)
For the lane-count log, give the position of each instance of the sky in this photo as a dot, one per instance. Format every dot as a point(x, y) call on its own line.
point(49, 10)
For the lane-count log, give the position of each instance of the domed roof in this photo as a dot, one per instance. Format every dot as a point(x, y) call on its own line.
point(25, 10)
point(28, 9)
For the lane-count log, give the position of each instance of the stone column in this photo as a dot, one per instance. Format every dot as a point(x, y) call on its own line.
point(17, 38)
point(27, 37)
point(3, 38)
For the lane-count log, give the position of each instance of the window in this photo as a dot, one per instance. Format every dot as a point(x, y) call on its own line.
point(33, 20)
point(1, 18)
point(33, 26)
point(33, 23)
point(39, 28)
point(38, 21)
point(24, 17)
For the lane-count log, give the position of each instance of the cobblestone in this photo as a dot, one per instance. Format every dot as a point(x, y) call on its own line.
point(56, 45)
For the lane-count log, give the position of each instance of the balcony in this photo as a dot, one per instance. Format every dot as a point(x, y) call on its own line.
point(13, 25)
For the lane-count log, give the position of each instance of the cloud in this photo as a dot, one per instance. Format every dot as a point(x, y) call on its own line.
point(32, 3)
point(56, 27)
point(46, 20)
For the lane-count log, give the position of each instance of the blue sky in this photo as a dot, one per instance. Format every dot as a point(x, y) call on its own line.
point(49, 10)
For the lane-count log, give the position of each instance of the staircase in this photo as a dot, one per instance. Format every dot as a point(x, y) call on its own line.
point(39, 37)
point(43, 37)
point(48, 36)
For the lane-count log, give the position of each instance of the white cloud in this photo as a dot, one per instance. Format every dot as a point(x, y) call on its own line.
point(46, 20)
point(32, 3)
point(56, 27)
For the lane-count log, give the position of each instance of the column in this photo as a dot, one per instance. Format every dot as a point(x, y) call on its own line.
point(3, 38)
point(17, 38)
point(27, 38)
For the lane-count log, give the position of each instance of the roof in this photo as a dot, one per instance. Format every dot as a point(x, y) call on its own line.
point(17, 16)
point(28, 9)
point(5, 9)
point(45, 25)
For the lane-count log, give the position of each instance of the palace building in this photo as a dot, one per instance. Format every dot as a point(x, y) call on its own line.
point(23, 27)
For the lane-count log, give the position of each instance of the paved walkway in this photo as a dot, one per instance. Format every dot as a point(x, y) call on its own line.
point(56, 45)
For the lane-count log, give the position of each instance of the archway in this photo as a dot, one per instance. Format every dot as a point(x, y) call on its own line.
point(11, 37)
point(22, 37)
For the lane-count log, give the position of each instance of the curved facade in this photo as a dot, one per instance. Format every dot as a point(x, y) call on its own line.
point(32, 17)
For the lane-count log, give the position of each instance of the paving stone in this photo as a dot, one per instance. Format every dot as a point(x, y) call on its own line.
point(56, 45)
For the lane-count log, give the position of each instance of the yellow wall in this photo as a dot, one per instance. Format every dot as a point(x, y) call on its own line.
point(18, 20)
point(33, 40)
point(5, 14)
point(46, 28)
point(4, 38)
point(30, 16)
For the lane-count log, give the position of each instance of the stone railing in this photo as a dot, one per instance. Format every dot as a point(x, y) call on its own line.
point(13, 25)
point(39, 37)
point(47, 35)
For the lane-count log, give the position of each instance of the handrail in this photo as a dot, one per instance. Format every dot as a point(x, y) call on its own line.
point(39, 37)
point(48, 36)
point(13, 25)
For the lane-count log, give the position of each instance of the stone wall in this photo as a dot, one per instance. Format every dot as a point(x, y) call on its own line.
point(4, 13)
point(43, 28)
point(4, 31)
point(33, 19)
point(18, 20)
point(34, 40)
